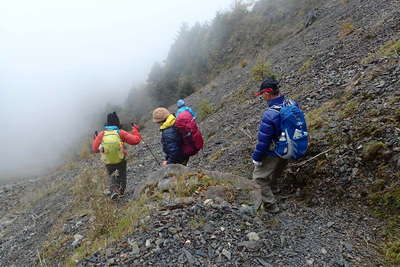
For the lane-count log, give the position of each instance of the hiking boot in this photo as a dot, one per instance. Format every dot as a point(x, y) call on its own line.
point(272, 208)
point(114, 196)
point(267, 207)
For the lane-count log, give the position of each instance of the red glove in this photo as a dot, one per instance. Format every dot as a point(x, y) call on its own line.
point(135, 127)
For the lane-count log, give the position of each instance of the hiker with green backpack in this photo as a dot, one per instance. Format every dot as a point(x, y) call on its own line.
point(282, 136)
point(110, 143)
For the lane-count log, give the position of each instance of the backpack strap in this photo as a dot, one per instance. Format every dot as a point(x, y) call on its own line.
point(276, 108)
point(288, 102)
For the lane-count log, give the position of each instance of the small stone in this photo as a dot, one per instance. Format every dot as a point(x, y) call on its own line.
point(66, 229)
point(348, 246)
point(173, 230)
point(330, 224)
point(254, 245)
point(148, 243)
point(109, 252)
point(208, 228)
point(166, 184)
point(222, 228)
point(310, 261)
point(244, 209)
point(324, 251)
point(252, 236)
point(189, 256)
point(77, 240)
point(354, 172)
point(264, 263)
point(124, 255)
point(227, 254)
point(381, 84)
point(159, 242)
point(208, 202)
point(135, 248)
point(333, 124)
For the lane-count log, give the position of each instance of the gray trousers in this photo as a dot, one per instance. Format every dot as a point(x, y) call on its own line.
point(267, 175)
point(117, 174)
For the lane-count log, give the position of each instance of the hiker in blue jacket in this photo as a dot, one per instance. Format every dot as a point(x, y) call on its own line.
point(170, 138)
point(182, 107)
point(268, 166)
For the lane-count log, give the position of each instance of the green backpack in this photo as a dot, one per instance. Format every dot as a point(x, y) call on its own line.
point(112, 148)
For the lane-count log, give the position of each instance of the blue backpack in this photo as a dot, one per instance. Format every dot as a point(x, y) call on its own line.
point(293, 140)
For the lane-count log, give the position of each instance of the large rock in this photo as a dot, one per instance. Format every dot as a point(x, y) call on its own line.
point(165, 179)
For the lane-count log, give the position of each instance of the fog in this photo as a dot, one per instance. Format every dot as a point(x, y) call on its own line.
point(62, 61)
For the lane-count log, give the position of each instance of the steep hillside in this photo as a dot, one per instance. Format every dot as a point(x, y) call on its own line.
point(340, 205)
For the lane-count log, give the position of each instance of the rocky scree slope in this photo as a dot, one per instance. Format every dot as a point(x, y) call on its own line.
point(348, 82)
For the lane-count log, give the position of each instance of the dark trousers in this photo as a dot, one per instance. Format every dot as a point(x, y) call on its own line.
point(185, 160)
point(117, 173)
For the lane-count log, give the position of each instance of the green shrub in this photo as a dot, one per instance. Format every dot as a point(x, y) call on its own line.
point(373, 149)
point(261, 71)
point(205, 109)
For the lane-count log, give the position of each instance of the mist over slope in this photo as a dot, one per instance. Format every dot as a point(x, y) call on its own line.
point(64, 62)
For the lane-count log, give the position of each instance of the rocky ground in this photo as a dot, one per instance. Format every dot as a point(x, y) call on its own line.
point(349, 85)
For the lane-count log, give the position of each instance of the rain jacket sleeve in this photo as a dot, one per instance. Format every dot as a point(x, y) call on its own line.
point(133, 138)
point(97, 142)
point(266, 134)
point(171, 143)
point(192, 112)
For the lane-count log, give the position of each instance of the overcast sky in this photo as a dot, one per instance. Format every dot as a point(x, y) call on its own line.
point(62, 59)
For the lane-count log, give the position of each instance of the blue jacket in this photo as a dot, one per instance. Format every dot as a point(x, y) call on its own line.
point(269, 131)
point(183, 109)
point(171, 142)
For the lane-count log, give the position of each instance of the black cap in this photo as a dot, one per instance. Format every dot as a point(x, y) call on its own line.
point(269, 86)
point(270, 83)
point(113, 120)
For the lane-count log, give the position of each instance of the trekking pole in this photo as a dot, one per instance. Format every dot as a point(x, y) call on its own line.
point(149, 149)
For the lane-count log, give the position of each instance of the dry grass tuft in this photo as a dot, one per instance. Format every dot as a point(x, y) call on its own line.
point(243, 63)
point(306, 65)
point(390, 48)
point(85, 151)
point(346, 28)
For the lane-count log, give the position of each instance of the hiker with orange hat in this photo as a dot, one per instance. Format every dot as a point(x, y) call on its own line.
point(170, 138)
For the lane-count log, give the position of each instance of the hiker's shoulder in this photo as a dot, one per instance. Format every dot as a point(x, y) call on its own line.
point(170, 130)
point(271, 113)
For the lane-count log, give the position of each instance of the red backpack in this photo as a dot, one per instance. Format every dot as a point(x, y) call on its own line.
point(192, 140)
